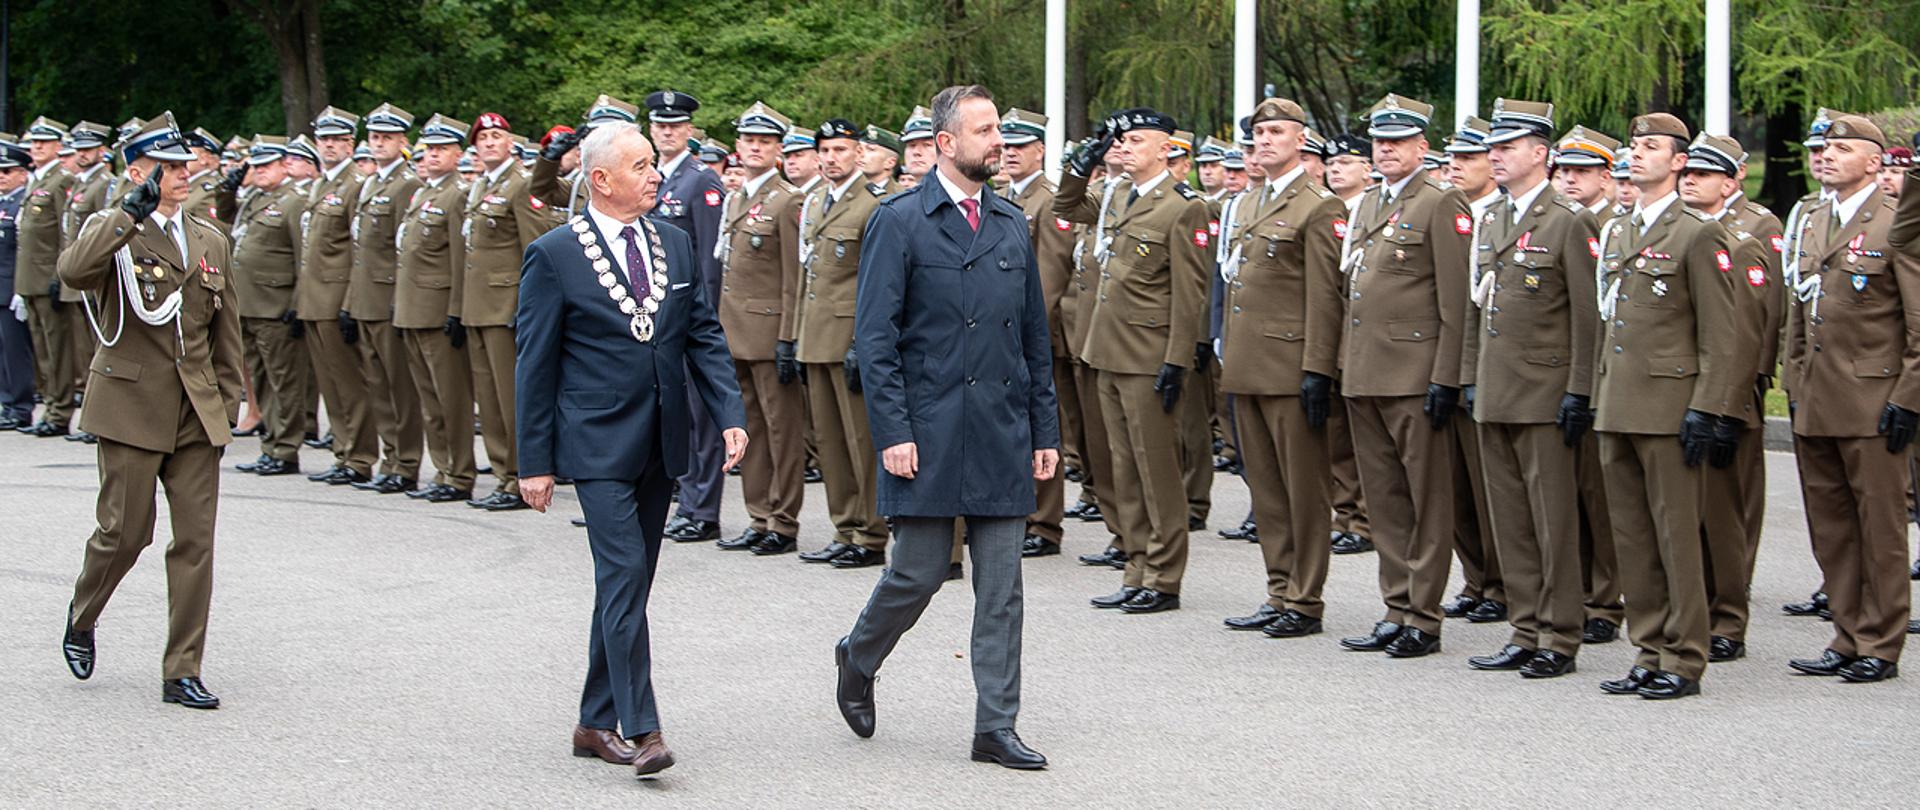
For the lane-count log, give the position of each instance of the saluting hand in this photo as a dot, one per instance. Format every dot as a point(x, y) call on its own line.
point(144, 198)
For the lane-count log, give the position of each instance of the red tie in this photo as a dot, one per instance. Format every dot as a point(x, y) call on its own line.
point(971, 207)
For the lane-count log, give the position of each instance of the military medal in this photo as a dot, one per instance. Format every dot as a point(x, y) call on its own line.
point(755, 241)
point(839, 250)
point(1660, 287)
point(1140, 249)
point(1640, 263)
point(1859, 282)
point(1531, 280)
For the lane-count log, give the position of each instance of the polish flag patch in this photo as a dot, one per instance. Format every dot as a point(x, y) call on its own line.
point(1200, 237)
point(535, 202)
point(1462, 224)
point(1062, 225)
point(1757, 276)
point(1593, 246)
point(1213, 227)
point(1779, 244)
point(713, 198)
point(1340, 229)
point(1720, 258)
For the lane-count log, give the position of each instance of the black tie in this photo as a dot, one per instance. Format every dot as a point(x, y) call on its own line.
point(1132, 197)
point(829, 209)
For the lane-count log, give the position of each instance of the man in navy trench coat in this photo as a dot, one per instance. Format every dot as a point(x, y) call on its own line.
point(952, 340)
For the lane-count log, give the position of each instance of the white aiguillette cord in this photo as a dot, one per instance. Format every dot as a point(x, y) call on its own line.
point(168, 311)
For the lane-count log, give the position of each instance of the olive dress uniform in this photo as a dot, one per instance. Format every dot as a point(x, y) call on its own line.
point(1053, 253)
point(427, 291)
point(40, 229)
point(502, 218)
point(203, 199)
point(89, 194)
point(393, 401)
point(266, 266)
point(760, 282)
point(1076, 317)
point(326, 267)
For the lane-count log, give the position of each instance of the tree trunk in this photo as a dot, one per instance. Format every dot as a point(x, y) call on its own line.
point(294, 103)
point(1785, 180)
point(315, 55)
point(293, 26)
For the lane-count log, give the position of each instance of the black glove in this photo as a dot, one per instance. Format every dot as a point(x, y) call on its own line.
point(1898, 425)
point(145, 197)
point(560, 146)
point(296, 328)
point(1575, 418)
point(456, 332)
point(1203, 355)
point(1761, 384)
point(1090, 155)
point(852, 365)
point(53, 288)
point(1696, 436)
point(1727, 431)
point(236, 178)
point(1316, 396)
point(349, 328)
point(784, 363)
point(1167, 385)
point(1441, 400)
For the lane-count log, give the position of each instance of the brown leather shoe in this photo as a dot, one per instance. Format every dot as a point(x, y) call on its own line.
point(652, 756)
point(599, 742)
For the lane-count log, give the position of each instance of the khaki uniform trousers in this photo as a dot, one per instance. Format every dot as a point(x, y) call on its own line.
point(392, 399)
point(1472, 539)
point(772, 475)
point(849, 469)
point(1349, 505)
point(1533, 492)
point(490, 354)
point(444, 381)
point(49, 323)
point(1854, 491)
point(1050, 496)
point(1196, 441)
point(344, 390)
point(1286, 473)
point(1149, 495)
point(1406, 467)
point(1097, 453)
point(1653, 499)
point(278, 364)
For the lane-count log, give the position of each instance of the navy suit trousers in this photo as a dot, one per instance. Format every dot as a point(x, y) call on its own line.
point(625, 519)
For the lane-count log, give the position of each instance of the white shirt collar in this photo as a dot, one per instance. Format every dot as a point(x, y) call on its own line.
point(1019, 187)
point(493, 174)
point(953, 191)
point(90, 172)
point(667, 169)
point(753, 186)
point(1143, 188)
point(1394, 189)
point(1845, 209)
point(1648, 212)
point(334, 173)
point(434, 182)
point(1353, 204)
point(811, 182)
point(610, 228)
point(1481, 205)
point(178, 223)
point(1525, 201)
point(41, 173)
point(840, 192)
point(387, 170)
point(1603, 204)
point(14, 193)
point(1276, 186)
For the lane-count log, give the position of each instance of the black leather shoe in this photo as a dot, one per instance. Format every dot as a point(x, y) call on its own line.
point(858, 557)
point(1487, 611)
point(1293, 624)
point(321, 476)
point(1510, 657)
point(1869, 670)
point(1913, 627)
point(812, 475)
point(447, 494)
point(83, 437)
point(1459, 606)
point(373, 485)
point(395, 485)
point(9, 422)
point(1726, 649)
point(1914, 572)
point(773, 543)
point(77, 646)
point(746, 540)
point(833, 550)
point(274, 466)
point(1092, 514)
point(1266, 615)
point(188, 692)
point(1078, 510)
point(1004, 748)
point(690, 530)
point(423, 492)
point(250, 466)
point(257, 429)
point(1812, 607)
point(1195, 524)
point(345, 476)
point(1599, 631)
point(46, 430)
point(1115, 599)
point(1350, 543)
point(1414, 643)
point(1247, 530)
point(1038, 547)
point(1109, 557)
point(1383, 634)
point(1829, 663)
point(853, 693)
point(1630, 685)
point(956, 572)
point(1149, 600)
point(504, 502)
point(318, 442)
point(1548, 664)
point(1668, 686)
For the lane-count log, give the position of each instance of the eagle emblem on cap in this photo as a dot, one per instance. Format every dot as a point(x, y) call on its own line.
point(1641, 126)
point(1392, 103)
point(665, 99)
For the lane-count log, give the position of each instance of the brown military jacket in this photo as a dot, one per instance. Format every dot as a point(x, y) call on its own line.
point(760, 274)
point(1282, 313)
point(1052, 252)
point(431, 277)
point(1407, 275)
point(203, 199)
point(831, 261)
point(568, 194)
point(144, 375)
point(1151, 305)
point(89, 194)
point(266, 251)
point(1674, 341)
point(382, 202)
point(326, 260)
point(502, 219)
point(1083, 283)
point(40, 229)
point(1855, 352)
point(1532, 342)
point(1748, 217)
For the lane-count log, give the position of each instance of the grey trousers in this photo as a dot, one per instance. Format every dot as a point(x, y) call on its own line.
point(922, 553)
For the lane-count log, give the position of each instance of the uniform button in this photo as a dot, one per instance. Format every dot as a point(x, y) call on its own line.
point(809, 296)
point(969, 323)
point(1620, 324)
point(1236, 310)
point(1816, 347)
point(1356, 321)
point(968, 267)
point(1103, 296)
point(970, 380)
point(1356, 296)
point(1493, 332)
point(1416, 334)
point(1494, 309)
point(1818, 319)
point(1006, 380)
point(1008, 324)
point(1616, 350)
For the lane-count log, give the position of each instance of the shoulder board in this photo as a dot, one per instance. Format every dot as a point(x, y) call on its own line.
point(1432, 181)
point(1322, 191)
point(875, 189)
point(1186, 191)
point(1571, 205)
point(1697, 216)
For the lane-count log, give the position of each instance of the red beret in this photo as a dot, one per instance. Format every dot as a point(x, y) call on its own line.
point(562, 129)
point(485, 122)
point(733, 161)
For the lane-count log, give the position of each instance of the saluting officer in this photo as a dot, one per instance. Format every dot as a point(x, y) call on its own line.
point(555, 184)
point(1666, 368)
point(42, 239)
point(502, 218)
point(205, 173)
point(1092, 243)
point(394, 404)
point(266, 266)
point(428, 287)
point(164, 394)
point(1406, 259)
point(1145, 324)
point(91, 181)
point(1856, 401)
point(1280, 342)
point(1529, 359)
point(760, 254)
point(692, 199)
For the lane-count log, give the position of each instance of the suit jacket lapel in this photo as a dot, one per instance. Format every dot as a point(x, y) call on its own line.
point(988, 236)
point(158, 244)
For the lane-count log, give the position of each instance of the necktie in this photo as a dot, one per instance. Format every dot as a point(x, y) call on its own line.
point(1639, 224)
point(166, 227)
point(1833, 224)
point(1132, 197)
point(829, 207)
point(636, 264)
point(971, 207)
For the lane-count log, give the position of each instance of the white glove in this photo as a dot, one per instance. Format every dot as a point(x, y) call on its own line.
point(19, 307)
point(1216, 349)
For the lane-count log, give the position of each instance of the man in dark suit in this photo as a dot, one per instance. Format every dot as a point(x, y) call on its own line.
point(949, 301)
point(16, 348)
point(613, 326)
